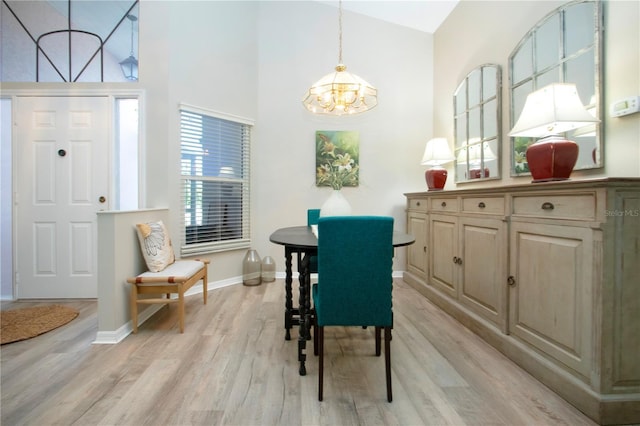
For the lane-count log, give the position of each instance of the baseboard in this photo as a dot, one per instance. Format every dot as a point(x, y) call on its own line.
point(116, 336)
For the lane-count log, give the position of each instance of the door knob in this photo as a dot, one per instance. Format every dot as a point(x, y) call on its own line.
point(102, 199)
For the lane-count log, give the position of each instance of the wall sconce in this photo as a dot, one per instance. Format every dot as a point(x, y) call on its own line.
point(552, 110)
point(436, 153)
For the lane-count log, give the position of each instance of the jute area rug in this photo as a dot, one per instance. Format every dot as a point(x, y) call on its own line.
point(25, 323)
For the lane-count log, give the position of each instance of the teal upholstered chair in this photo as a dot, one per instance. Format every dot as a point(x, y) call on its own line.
point(312, 219)
point(312, 216)
point(355, 266)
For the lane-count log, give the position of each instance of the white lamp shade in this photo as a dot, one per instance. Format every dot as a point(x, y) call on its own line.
point(437, 152)
point(475, 154)
point(554, 109)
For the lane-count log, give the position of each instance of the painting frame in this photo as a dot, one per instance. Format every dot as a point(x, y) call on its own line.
point(337, 158)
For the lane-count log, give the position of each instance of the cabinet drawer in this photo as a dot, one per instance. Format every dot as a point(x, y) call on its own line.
point(579, 206)
point(488, 205)
point(444, 204)
point(418, 204)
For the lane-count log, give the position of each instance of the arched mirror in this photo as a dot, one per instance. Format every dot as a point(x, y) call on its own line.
point(564, 47)
point(477, 118)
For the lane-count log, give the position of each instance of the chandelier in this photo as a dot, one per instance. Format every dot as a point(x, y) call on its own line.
point(340, 92)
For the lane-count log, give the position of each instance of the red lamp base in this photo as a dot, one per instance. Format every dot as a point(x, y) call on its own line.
point(436, 178)
point(552, 159)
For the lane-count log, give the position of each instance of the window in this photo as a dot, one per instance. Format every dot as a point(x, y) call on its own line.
point(214, 155)
point(69, 41)
point(126, 165)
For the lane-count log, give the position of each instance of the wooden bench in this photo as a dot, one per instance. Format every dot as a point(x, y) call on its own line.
point(178, 277)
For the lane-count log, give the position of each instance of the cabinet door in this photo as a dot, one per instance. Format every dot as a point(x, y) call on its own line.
point(417, 252)
point(550, 302)
point(483, 268)
point(443, 246)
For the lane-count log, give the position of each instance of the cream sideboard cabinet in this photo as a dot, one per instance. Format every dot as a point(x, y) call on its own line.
point(547, 273)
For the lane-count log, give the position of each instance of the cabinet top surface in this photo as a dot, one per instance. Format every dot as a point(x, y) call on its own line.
point(543, 186)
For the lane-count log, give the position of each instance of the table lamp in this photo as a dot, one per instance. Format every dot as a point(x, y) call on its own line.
point(436, 153)
point(547, 112)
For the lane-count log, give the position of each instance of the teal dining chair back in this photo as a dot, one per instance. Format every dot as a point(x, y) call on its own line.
point(355, 282)
point(312, 216)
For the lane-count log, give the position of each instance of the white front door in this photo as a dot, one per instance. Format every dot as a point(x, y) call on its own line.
point(62, 180)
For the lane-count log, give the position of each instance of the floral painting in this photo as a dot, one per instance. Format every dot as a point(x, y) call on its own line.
point(337, 158)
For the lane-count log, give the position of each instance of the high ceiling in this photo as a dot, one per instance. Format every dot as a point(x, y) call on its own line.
point(421, 15)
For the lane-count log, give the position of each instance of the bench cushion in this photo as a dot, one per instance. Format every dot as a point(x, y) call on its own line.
point(180, 270)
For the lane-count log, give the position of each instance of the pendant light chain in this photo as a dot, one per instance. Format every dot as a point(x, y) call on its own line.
point(340, 32)
point(131, 19)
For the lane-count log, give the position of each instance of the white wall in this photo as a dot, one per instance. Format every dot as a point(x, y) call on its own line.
point(479, 32)
point(203, 54)
point(256, 59)
point(298, 44)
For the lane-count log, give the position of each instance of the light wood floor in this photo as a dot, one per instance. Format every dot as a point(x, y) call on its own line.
point(232, 366)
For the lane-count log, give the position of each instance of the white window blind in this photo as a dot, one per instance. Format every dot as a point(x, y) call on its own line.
point(215, 181)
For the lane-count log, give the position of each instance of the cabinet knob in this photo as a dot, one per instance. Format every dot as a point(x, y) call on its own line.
point(511, 281)
point(547, 206)
point(418, 203)
point(481, 205)
point(443, 204)
point(424, 249)
point(457, 260)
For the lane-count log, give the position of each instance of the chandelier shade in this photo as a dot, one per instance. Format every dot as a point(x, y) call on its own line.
point(340, 92)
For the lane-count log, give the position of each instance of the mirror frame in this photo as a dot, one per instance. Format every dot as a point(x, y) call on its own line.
point(465, 106)
point(536, 80)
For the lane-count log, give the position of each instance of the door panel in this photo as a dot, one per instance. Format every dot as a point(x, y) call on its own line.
point(417, 252)
point(62, 160)
point(443, 237)
point(551, 302)
point(484, 268)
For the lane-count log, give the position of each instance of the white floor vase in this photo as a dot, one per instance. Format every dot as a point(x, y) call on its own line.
point(336, 205)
